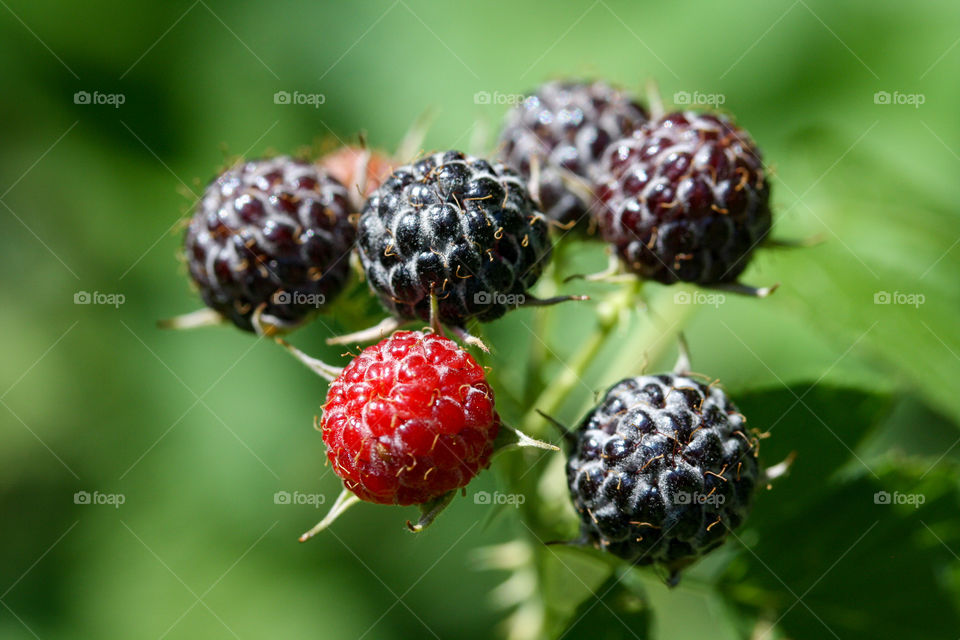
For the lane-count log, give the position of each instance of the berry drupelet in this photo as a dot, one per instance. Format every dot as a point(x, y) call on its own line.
point(269, 242)
point(458, 227)
point(564, 127)
point(661, 470)
point(685, 198)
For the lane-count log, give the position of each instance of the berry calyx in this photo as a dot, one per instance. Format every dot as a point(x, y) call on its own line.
point(269, 243)
point(409, 419)
point(685, 198)
point(661, 470)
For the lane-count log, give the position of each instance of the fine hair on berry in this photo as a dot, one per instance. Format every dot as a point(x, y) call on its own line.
point(409, 419)
point(455, 226)
point(270, 237)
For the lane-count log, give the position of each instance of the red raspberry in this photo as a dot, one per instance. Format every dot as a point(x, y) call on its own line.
point(361, 170)
point(409, 419)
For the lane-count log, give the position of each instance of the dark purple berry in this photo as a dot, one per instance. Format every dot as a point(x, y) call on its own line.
point(567, 126)
point(270, 237)
point(685, 198)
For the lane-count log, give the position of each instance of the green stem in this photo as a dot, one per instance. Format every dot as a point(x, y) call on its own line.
point(609, 315)
point(541, 324)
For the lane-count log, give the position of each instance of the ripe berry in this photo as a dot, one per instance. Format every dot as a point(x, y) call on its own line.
point(270, 237)
point(409, 419)
point(567, 126)
point(661, 470)
point(685, 198)
point(459, 227)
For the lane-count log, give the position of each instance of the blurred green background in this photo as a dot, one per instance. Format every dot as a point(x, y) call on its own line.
point(198, 431)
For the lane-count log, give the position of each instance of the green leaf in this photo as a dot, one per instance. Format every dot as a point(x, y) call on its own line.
point(822, 425)
point(838, 566)
point(884, 280)
point(936, 441)
point(820, 556)
point(620, 610)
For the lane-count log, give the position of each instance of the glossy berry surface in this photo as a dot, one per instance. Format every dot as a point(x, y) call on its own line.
point(459, 227)
point(272, 235)
point(685, 198)
point(409, 419)
point(661, 470)
point(567, 126)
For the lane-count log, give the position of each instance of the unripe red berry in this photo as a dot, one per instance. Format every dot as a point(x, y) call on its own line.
point(409, 419)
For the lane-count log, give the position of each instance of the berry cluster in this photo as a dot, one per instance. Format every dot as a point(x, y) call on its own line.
point(663, 467)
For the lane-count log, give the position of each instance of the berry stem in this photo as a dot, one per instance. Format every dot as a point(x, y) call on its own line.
point(609, 315)
point(613, 273)
point(541, 325)
point(435, 314)
point(535, 180)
